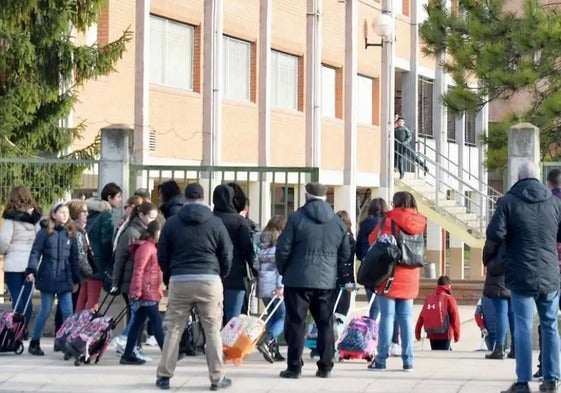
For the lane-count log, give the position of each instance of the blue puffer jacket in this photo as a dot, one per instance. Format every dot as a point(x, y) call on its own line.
point(54, 261)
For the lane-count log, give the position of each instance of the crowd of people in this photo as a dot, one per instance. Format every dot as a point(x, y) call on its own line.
point(209, 259)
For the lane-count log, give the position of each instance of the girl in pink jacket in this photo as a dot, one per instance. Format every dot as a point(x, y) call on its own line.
point(145, 291)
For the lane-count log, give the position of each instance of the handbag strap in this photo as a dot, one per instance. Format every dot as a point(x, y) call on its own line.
point(389, 282)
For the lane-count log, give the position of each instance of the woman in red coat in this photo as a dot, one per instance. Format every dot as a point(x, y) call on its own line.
point(397, 301)
point(145, 290)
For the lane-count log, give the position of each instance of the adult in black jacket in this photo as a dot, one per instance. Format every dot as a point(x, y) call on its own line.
point(527, 219)
point(194, 253)
point(495, 289)
point(171, 198)
point(311, 250)
point(236, 282)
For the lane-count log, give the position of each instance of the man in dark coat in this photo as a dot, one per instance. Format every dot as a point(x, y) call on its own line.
point(171, 198)
point(528, 220)
point(235, 283)
point(194, 253)
point(312, 249)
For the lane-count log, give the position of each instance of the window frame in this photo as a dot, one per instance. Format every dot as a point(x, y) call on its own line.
point(226, 62)
point(425, 106)
point(275, 83)
point(372, 112)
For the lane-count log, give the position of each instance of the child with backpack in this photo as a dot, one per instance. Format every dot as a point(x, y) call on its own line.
point(440, 317)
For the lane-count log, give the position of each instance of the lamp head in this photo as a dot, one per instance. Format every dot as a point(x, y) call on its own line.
point(384, 26)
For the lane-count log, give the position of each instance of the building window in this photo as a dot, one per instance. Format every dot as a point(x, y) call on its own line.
point(328, 91)
point(451, 128)
point(171, 53)
point(424, 102)
point(283, 200)
point(364, 100)
point(284, 80)
point(237, 74)
point(470, 129)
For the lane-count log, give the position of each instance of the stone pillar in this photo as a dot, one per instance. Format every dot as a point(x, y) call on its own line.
point(457, 262)
point(434, 246)
point(523, 144)
point(313, 83)
point(116, 152)
point(260, 209)
point(263, 97)
point(476, 270)
point(345, 199)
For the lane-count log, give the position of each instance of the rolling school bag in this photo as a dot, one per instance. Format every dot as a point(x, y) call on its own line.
point(90, 342)
point(13, 326)
point(360, 338)
point(241, 334)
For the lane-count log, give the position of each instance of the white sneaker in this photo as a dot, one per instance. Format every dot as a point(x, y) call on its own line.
point(141, 355)
point(395, 350)
point(151, 341)
point(119, 343)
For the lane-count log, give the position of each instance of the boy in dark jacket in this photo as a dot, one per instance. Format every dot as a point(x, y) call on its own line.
point(440, 317)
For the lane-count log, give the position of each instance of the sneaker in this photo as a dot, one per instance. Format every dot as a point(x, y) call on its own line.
point(224, 384)
point(518, 387)
point(132, 360)
point(119, 343)
point(151, 341)
point(376, 366)
point(139, 353)
point(163, 383)
point(289, 374)
point(395, 350)
point(408, 368)
point(265, 351)
point(549, 386)
point(538, 374)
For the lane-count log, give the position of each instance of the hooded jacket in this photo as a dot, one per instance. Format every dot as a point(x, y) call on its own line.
point(494, 261)
point(54, 261)
point(146, 280)
point(193, 242)
point(366, 226)
point(406, 279)
point(453, 317)
point(268, 277)
point(240, 235)
point(122, 267)
point(16, 238)
point(313, 249)
point(527, 219)
point(172, 206)
point(100, 232)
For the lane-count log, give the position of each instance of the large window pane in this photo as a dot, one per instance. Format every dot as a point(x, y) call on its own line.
point(424, 102)
point(328, 91)
point(236, 68)
point(364, 100)
point(284, 80)
point(171, 53)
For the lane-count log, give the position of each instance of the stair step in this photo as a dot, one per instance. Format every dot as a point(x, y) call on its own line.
point(454, 209)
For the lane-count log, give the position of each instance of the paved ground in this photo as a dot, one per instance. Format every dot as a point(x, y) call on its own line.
point(462, 370)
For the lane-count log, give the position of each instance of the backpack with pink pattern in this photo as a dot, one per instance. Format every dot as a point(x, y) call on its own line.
point(91, 340)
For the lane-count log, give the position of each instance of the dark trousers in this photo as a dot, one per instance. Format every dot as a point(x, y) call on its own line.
point(152, 313)
point(440, 345)
point(298, 301)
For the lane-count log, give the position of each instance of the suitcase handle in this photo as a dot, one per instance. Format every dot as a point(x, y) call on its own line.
point(270, 314)
point(21, 291)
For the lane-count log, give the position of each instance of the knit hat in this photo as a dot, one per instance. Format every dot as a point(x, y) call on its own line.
point(194, 191)
point(316, 189)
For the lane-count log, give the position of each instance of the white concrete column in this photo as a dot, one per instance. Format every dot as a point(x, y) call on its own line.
point(523, 144)
point(260, 200)
point(212, 82)
point(410, 81)
point(350, 96)
point(313, 83)
point(434, 246)
point(439, 123)
point(142, 83)
point(481, 125)
point(115, 157)
point(345, 199)
point(263, 94)
point(457, 260)
point(460, 140)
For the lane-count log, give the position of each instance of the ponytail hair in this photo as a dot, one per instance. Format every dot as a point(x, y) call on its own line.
point(144, 208)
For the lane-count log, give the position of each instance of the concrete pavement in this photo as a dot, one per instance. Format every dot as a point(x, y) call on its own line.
point(461, 370)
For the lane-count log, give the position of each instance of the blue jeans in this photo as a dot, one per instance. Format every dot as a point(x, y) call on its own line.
point(16, 283)
point(504, 318)
point(275, 326)
point(402, 311)
point(233, 303)
point(375, 308)
point(47, 300)
point(523, 310)
point(140, 314)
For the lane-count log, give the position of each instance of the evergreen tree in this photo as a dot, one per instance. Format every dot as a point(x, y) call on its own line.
point(492, 53)
point(41, 67)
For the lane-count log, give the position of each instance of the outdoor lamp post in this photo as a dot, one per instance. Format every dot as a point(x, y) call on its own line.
point(383, 26)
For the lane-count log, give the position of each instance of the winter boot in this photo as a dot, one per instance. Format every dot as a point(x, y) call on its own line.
point(276, 352)
point(498, 353)
point(35, 349)
point(512, 353)
point(265, 348)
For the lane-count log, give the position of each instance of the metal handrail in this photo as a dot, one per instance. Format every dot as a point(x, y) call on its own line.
point(490, 190)
point(483, 202)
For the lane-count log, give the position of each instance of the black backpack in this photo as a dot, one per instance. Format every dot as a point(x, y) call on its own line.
point(193, 338)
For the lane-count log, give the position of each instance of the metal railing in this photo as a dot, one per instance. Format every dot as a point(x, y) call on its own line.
point(479, 199)
point(272, 190)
